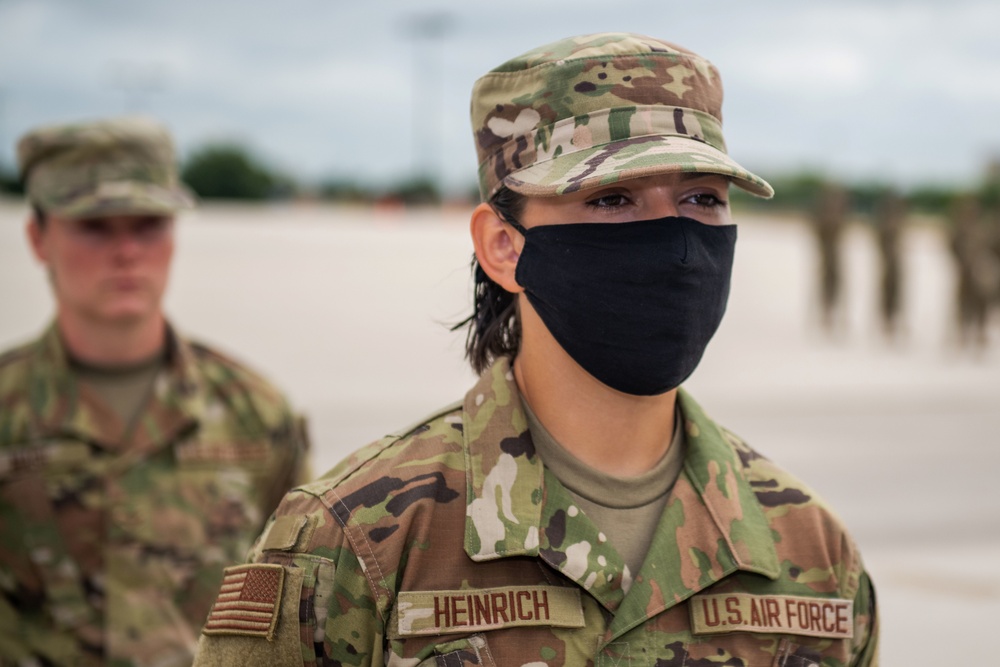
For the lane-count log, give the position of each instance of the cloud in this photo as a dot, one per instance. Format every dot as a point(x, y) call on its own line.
point(903, 88)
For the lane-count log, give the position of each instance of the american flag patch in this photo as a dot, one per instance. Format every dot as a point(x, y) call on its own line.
point(248, 601)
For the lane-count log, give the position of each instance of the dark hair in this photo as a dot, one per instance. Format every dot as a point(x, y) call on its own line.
point(38, 214)
point(494, 326)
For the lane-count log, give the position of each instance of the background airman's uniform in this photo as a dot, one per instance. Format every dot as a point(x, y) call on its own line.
point(112, 548)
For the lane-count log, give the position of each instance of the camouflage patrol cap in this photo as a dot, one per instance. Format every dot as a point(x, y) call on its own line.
point(121, 166)
point(597, 109)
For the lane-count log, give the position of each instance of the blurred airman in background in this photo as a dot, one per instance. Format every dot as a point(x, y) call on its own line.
point(890, 221)
point(134, 463)
point(977, 272)
point(829, 221)
point(991, 212)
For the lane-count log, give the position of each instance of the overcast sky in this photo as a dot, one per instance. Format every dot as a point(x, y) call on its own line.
point(902, 91)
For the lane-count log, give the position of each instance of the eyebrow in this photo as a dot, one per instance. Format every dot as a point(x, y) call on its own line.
point(692, 175)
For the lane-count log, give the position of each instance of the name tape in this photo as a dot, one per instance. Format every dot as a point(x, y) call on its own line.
point(442, 612)
point(787, 614)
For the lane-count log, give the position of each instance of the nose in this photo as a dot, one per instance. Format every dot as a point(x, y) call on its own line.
point(662, 203)
point(667, 209)
point(126, 244)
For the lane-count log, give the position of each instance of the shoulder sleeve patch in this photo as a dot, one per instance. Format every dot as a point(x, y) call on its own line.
point(233, 641)
point(248, 602)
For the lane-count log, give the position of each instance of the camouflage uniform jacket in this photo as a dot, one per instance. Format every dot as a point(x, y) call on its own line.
point(111, 551)
point(451, 544)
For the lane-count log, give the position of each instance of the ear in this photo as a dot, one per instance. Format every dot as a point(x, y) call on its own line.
point(498, 246)
point(36, 237)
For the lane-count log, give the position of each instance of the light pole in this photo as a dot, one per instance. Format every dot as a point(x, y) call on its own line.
point(3, 134)
point(8, 169)
point(426, 85)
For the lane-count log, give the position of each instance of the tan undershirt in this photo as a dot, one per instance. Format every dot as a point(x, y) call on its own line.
point(125, 389)
point(626, 509)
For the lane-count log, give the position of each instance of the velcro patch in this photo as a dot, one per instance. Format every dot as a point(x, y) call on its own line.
point(473, 610)
point(284, 533)
point(786, 614)
point(248, 601)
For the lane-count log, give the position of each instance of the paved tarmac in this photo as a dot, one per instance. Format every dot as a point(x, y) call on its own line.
point(349, 310)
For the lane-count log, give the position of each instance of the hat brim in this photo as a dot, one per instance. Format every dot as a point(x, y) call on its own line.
point(628, 159)
point(124, 198)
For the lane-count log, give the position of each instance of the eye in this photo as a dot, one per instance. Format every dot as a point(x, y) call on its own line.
point(151, 228)
point(706, 200)
point(609, 201)
point(93, 229)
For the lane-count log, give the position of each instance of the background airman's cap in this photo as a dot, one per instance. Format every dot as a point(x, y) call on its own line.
point(597, 109)
point(122, 166)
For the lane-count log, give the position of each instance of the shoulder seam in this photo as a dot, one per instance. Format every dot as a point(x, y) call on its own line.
point(349, 533)
point(378, 447)
point(448, 409)
point(17, 353)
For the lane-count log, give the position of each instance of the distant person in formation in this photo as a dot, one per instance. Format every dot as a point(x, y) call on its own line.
point(134, 463)
point(829, 219)
point(576, 508)
point(890, 221)
point(977, 272)
point(991, 213)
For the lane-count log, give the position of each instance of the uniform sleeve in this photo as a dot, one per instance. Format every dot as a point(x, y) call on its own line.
point(303, 599)
point(866, 625)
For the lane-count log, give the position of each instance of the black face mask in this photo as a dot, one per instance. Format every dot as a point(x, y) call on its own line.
point(633, 303)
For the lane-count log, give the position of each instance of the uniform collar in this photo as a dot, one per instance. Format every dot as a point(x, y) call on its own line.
point(62, 407)
point(517, 508)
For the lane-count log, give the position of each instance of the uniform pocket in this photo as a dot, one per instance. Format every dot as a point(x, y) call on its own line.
point(469, 651)
point(222, 499)
point(51, 499)
point(223, 483)
point(759, 650)
point(791, 654)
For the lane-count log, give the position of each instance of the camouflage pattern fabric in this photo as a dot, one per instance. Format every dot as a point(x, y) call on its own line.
point(111, 551)
point(451, 544)
point(596, 109)
point(119, 166)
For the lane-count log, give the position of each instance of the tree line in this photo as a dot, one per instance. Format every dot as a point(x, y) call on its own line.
point(231, 171)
